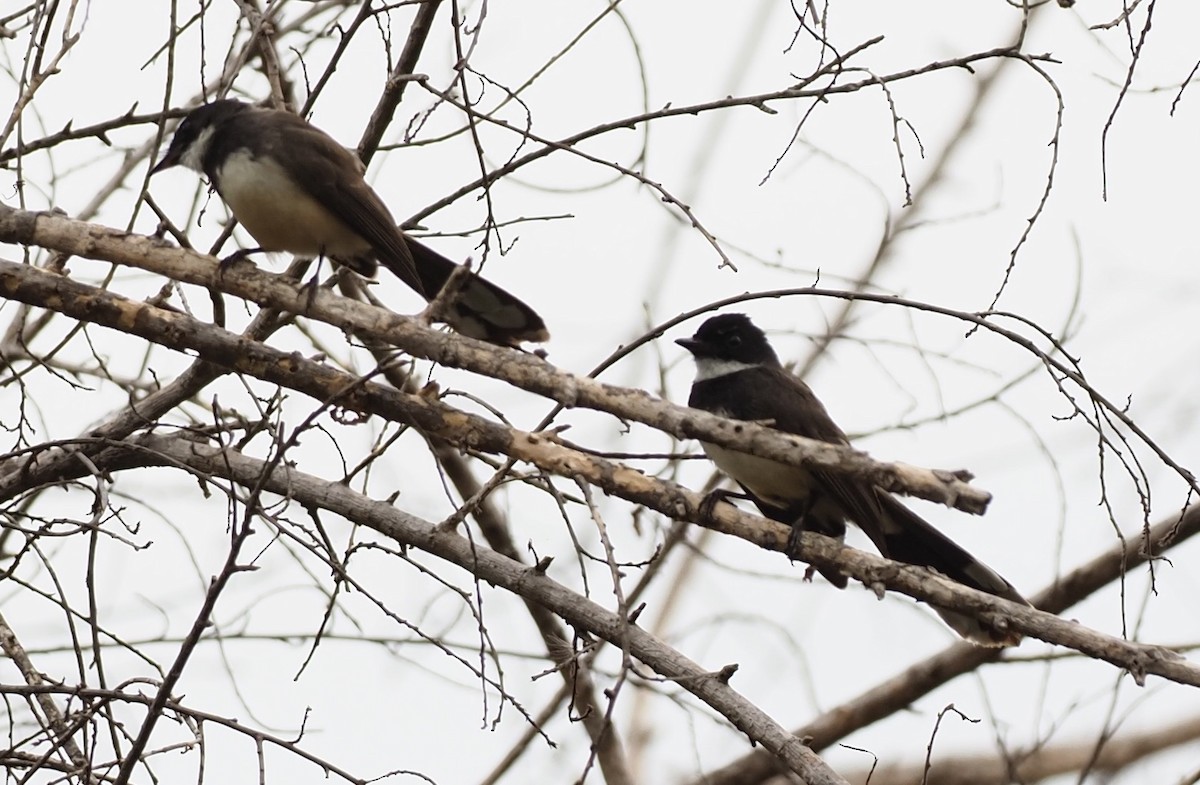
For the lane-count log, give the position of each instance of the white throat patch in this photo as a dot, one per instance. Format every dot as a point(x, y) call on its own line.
point(193, 156)
point(712, 368)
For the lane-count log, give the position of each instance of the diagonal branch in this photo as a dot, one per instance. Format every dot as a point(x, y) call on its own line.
point(884, 699)
point(529, 582)
point(526, 371)
point(181, 332)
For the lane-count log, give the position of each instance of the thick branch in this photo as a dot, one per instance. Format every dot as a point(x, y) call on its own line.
point(525, 581)
point(1040, 764)
point(494, 525)
point(182, 332)
point(903, 689)
point(526, 371)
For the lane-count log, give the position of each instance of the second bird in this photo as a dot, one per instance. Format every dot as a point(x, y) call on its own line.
point(738, 375)
point(295, 189)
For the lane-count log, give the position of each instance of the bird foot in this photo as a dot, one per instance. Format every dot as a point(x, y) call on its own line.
point(709, 504)
point(793, 548)
point(240, 255)
point(310, 288)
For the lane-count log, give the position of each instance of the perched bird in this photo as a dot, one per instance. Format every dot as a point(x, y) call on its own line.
point(739, 376)
point(295, 189)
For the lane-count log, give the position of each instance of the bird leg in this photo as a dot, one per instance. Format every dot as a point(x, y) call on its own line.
point(805, 518)
point(240, 255)
point(310, 286)
point(799, 526)
point(709, 504)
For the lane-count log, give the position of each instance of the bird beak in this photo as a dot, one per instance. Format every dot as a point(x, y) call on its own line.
point(691, 344)
point(170, 159)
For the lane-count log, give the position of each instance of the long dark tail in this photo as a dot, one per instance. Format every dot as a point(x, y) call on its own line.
point(906, 537)
point(481, 309)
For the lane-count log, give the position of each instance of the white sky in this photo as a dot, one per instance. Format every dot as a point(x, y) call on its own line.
point(595, 275)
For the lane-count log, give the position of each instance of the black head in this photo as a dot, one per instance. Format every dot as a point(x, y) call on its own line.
point(192, 129)
point(730, 336)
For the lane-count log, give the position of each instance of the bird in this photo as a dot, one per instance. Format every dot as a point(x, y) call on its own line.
point(739, 376)
point(295, 189)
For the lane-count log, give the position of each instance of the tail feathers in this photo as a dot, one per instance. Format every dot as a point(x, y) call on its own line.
point(906, 537)
point(481, 309)
point(396, 255)
point(901, 535)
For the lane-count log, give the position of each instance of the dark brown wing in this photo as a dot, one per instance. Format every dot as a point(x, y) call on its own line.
point(481, 310)
point(333, 176)
point(771, 394)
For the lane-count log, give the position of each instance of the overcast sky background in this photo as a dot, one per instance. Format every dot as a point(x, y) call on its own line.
point(614, 260)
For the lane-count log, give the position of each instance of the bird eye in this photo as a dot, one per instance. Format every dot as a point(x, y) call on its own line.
point(735, 340)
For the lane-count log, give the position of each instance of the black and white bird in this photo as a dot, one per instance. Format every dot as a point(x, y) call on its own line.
point(739, 376)
point(295, 189)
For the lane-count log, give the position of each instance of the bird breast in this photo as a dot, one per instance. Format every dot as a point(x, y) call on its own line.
point(776, 483)
point(279, 214)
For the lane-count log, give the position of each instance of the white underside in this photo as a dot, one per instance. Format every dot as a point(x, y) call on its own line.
point(773, 482)
point(279, 214)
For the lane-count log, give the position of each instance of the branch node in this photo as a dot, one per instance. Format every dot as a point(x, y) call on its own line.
point(726, 673)
point(636, 612)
